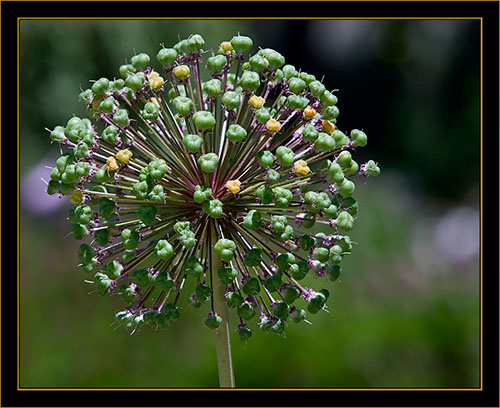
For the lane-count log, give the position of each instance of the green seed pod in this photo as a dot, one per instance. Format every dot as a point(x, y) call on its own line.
point(102, 283)
point(187, 239)
point(234, 300)
point(106, 207)
point(164, 250)
point(298, 315)
point(344, 159)
point(253, 257)
point(208, 162)
point(246, 311)
point(324, 142)
point(262, 115)
point(225, 249)
point(273, 176)
point(257, 62)
point(226, 275)
point(316, 302)
point(283, 261)
point(297, 101)
point(344, 221)
point(216, 63)
point(121, 117)
point(231, 99)
point(147, 213)
point(290, 294)
point(107, 105)
point(299, 270)
point(157, 169)
point(130, 239)
point(352, 169)
point(251, 286)
point(213, 321)
point(331, 211)
point(141, 189)
point(328, 99)
point(57, 135)
point(204, 120)
point(265, 194)
point(79, 231)
point(278, 327)
point(280, 310)
point(110, 134)
point(358, 137)
point(85, 253)
point(330, 112)
point(282, 196)
point(202, 292)
point(100, 86)
point(102, 236)
point(273, 282)
point(236, 133)
point(166, 56)
point(140, 61)
point(201, 193)
point(265, 158)
point(252, 220)
point(157, 194)
point(126, 70)
point(285, 156)
point(195, 42)
point(345, 188)
point(83, 214)
point(274, 58)
point(249, 81)
point(309, 132)
point(82, 169)
point(213, 87)
point(321, 254)
point(150, 111)
point(335, 173)
point(371, 168)
point(213, 208)
point(333, 272)
point(193, 267)
point(317, 88)
point(81, 151)
point(296, 85)
point(163, 281)
point(335, 256)
point(244, 333)
point(306, 242)
point(113, 269)
point(241, 44)
point(192, 143)
point(135, 81)
point(183, 105)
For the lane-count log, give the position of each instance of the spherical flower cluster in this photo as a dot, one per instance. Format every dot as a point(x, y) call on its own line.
point(227, 155)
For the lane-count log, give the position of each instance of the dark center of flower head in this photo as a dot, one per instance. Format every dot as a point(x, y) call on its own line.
point(222, 155)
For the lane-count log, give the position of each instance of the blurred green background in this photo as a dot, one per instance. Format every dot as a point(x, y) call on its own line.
point(405, 312)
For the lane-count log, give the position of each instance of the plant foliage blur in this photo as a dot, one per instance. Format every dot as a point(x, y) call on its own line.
point(405, 313)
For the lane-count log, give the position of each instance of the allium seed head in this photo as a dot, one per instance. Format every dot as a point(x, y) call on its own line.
point(172, 174)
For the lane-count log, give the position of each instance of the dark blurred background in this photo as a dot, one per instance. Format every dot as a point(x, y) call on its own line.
point(405, 312)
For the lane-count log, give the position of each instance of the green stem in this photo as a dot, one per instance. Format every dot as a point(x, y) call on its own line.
point(222, 339)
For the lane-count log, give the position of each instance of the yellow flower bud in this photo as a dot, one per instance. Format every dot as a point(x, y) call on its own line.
point(257, 101)
point(111, 164)
point(155, 101)
point(181, 71)
point(301, 167)
point(226, 46)
point(76, 197)
point(155, 80)
point(124, 155)
point(309, 112)
point(233, 186)
point(328, 126)
point(273, 125)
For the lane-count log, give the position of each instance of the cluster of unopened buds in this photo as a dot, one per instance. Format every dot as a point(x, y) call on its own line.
point(223, 153)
